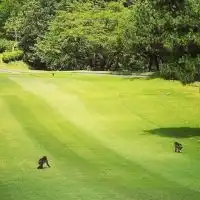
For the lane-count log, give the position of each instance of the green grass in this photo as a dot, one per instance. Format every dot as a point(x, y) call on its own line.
point(107, 138)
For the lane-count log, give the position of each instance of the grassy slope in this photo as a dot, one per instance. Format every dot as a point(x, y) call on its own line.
point(107, 138)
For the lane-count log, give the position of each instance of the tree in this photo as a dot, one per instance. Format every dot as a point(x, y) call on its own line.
point(30, 24)
point(6, 8)
point(84, 35)
point(166, 34)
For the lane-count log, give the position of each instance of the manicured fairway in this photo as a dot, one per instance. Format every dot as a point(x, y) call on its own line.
point(107, 138)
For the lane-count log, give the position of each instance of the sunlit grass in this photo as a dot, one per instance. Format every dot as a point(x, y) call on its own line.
point(106, 138)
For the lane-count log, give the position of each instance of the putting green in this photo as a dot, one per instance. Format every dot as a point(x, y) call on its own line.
point(107, 138)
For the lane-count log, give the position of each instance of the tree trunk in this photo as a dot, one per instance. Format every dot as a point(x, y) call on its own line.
point(150, 63)
point(156, 63)
point(94, 60)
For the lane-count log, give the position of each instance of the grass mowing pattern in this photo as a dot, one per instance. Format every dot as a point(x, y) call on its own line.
point(107, 138)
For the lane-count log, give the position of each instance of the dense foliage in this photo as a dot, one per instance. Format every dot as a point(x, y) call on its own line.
point(85, 36)
point(12, 56)
point(166, 33)
point(162, 35)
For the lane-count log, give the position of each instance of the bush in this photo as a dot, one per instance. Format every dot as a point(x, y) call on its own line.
point(167, 71)
point(188, 69)
point(12, 56)
point(185, 69)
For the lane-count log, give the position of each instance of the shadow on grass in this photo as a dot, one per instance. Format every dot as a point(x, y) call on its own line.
point(176, 132)
point(154, 75)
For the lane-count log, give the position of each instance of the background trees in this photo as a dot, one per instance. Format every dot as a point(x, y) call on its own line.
point(165, 35)
point(162, 35)
point(30, 24)
point(85, 35)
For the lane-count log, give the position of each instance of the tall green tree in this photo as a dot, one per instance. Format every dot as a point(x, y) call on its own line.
point(30, 24)
point(84, 35)
point(7, 7)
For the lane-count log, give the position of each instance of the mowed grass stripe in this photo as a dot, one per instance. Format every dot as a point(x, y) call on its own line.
point(75, 111)
point(52, 145)
point(56, 148)
point(83, 188)
point(19, 155)
point(25, 119)
point(126, 132)
point(99, 173)
point(161, 104)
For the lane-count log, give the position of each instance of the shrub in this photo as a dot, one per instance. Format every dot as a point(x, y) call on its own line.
point(167, 71)
point(12, 56)
point(186, 69)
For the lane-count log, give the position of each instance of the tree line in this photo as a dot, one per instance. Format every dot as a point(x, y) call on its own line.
point(139, 35)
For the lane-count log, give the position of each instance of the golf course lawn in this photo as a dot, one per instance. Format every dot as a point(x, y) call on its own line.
point(106, 137)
